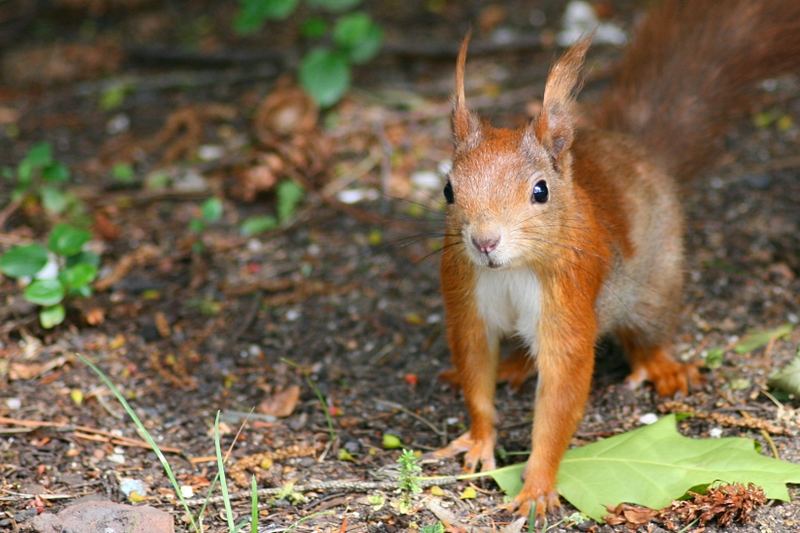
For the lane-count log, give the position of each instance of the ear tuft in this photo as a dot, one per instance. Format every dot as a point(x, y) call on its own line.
point(466, 125)
point(554, 126)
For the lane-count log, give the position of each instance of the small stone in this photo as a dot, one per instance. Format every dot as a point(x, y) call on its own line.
point(13, 403)
point(648, 418)
point(127, 485)
point(715, 433)
point(100, 516)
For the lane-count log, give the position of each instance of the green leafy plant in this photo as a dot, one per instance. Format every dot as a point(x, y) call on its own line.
point(73, 273)
point(325, 70)
point(288, 195)
point(40, 178)
point(408, 479)
point(210, 213)
point(436, 527)
point(654, 465)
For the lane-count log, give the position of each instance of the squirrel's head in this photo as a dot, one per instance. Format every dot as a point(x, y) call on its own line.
point(508, 189)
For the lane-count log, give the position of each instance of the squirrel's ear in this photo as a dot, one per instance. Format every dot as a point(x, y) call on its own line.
point(466, 124)
point(553, 127)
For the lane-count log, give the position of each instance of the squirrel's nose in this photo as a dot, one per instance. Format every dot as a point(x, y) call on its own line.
point(485, 244)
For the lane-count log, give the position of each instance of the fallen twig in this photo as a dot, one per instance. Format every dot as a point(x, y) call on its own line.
point(85, 432)
point(328, 486)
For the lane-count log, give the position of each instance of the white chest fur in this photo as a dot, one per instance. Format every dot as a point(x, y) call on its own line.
point(510, 302)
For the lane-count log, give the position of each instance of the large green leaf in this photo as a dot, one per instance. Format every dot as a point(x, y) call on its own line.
point(325, 75)
point(654, 465)
point(67, 240)
point(23, 260)
point(44, 292)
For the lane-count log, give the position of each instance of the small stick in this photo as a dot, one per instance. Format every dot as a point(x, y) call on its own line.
point(63, 426)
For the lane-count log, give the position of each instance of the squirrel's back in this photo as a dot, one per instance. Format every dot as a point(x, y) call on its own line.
point(689, 70)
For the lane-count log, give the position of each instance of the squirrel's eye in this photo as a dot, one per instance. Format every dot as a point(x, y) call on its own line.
point(448, 193)
point(540, 192)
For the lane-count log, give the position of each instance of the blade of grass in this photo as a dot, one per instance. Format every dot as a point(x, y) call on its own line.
point(223, 485)
point(213, 484)
point(144, 434)
point(253, 505)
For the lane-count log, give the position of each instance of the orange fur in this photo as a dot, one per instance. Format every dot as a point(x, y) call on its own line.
point(602, 254)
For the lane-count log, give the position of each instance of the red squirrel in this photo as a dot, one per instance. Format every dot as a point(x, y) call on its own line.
point(559, 235)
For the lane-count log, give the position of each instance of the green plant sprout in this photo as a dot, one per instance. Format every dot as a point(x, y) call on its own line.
point(325, 70)
point(408, 479)
point(40, 178)
point(53, 273)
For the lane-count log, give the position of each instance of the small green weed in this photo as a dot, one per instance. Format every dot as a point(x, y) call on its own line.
point(40, 178)
point(60, 270)
point(325, 70)
point(408, 479)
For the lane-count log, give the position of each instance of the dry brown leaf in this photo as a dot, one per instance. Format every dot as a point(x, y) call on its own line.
point(631, 516)
point(33, 370)
point(281, 404)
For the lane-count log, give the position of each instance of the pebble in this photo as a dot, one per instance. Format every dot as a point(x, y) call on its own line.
point(648, 418)
point(13, 403)
point(127, 485)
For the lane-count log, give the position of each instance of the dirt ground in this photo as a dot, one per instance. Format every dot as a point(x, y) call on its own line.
point(341, 303)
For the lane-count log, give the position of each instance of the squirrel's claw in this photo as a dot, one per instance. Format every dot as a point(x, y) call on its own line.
point(546, 501)
point(476, 452)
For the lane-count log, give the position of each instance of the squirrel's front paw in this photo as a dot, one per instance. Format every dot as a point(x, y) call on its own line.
point(476, 452)
point(545, 500)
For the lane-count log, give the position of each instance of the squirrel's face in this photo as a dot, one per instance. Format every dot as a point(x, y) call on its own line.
point(506, 197)
point(509, 190)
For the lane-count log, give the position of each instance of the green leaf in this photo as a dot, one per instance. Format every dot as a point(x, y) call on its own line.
point(313, 28)
point(85, 256)
point(325, 75)
point(391, 442)
point(336, 6)
point(67, 240)
point(654, 465)
point(253, 13)
point(23, 260)
point(56, 172)
point(359, 36)
point(715, 358)
point(44, 292)
point(114, 96)
point(39, 156)
point(255, 225)
point(123, 173)
point(212, 210)
point(54, 200)
point(51, 316)
point(788, 378)
point(79, 275)
point(196, 225)
point(289, 195)
point(757, 339)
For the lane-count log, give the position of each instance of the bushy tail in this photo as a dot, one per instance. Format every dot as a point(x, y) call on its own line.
point(689, 69)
